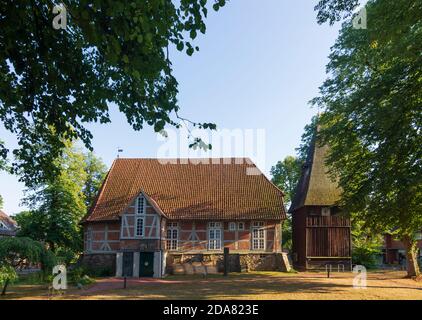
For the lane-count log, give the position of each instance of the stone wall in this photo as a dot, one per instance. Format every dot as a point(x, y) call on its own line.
point(213, 263)
point(101, 263)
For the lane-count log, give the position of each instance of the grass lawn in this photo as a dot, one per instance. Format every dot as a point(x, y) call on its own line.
point(256, 285)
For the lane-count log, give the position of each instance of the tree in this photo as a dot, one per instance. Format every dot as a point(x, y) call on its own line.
point(1, 202)
point(285, 175)
point(96, 171)
point(308, 135)
point(108, 52)
point(366, 244)
point(17, 252)
point(335, 10)
point(58, 205)
point(372, 119)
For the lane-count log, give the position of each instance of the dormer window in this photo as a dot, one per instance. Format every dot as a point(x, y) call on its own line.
point(3, 226)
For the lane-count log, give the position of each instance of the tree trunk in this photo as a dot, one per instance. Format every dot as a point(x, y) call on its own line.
point(5, 287)
point(412, 260)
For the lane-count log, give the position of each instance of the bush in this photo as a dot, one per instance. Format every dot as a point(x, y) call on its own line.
point(86, 280)
point(76, 274)
point(79, 275)
point(20, 252)
point(366, 245)
point(7, 276)
point(365, 256)
point(34, 278)
point(103, 272)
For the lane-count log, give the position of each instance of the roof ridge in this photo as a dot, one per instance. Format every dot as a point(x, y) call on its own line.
point(181, 158)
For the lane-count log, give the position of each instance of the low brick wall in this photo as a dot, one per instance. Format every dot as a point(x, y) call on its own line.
point(213, 263)
point(105, 263)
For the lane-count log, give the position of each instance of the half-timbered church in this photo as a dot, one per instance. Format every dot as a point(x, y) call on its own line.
point(158, 216)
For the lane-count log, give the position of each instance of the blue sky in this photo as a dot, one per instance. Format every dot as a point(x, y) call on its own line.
point(259, 64)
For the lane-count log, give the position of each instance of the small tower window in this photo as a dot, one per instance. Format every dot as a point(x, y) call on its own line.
point(326, 211)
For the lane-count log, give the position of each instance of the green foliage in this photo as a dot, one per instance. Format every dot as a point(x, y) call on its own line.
point(18, 252)
point(372, 119)
point(287, 233)
point(7, 275)
point(66, 256)
point(34, 278)
point(306, 140)
point(366, 245)
point(79, 276)
point(3, 155)
point(1, 202)
point(55, 82)
point(285, 175)
point(58, 206)
point(100, 272)
point(335, 10)
point(96, 171)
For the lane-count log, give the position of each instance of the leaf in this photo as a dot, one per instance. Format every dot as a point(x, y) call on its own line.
point(190, 51)
point(180, 46)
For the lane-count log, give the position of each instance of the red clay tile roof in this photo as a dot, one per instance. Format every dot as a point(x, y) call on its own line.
point(9, 223)
point(221, 190)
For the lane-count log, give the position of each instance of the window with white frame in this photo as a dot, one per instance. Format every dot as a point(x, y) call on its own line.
point(172, 236)
point(3, 226)
point(214, 236)
point(139, 230)
point(258, 236)
point(241, 226)
point(140, 205)
point(232, 226)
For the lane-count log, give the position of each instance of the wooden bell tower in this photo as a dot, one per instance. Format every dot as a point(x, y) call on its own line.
point(321, 235)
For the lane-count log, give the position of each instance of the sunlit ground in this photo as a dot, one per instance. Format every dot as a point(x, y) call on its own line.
point(257, 285)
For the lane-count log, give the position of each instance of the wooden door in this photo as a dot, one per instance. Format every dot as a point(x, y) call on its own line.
point(127, 264)
point(146, 264)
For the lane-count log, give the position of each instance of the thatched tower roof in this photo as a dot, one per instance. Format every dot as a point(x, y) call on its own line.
point(315, 187)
